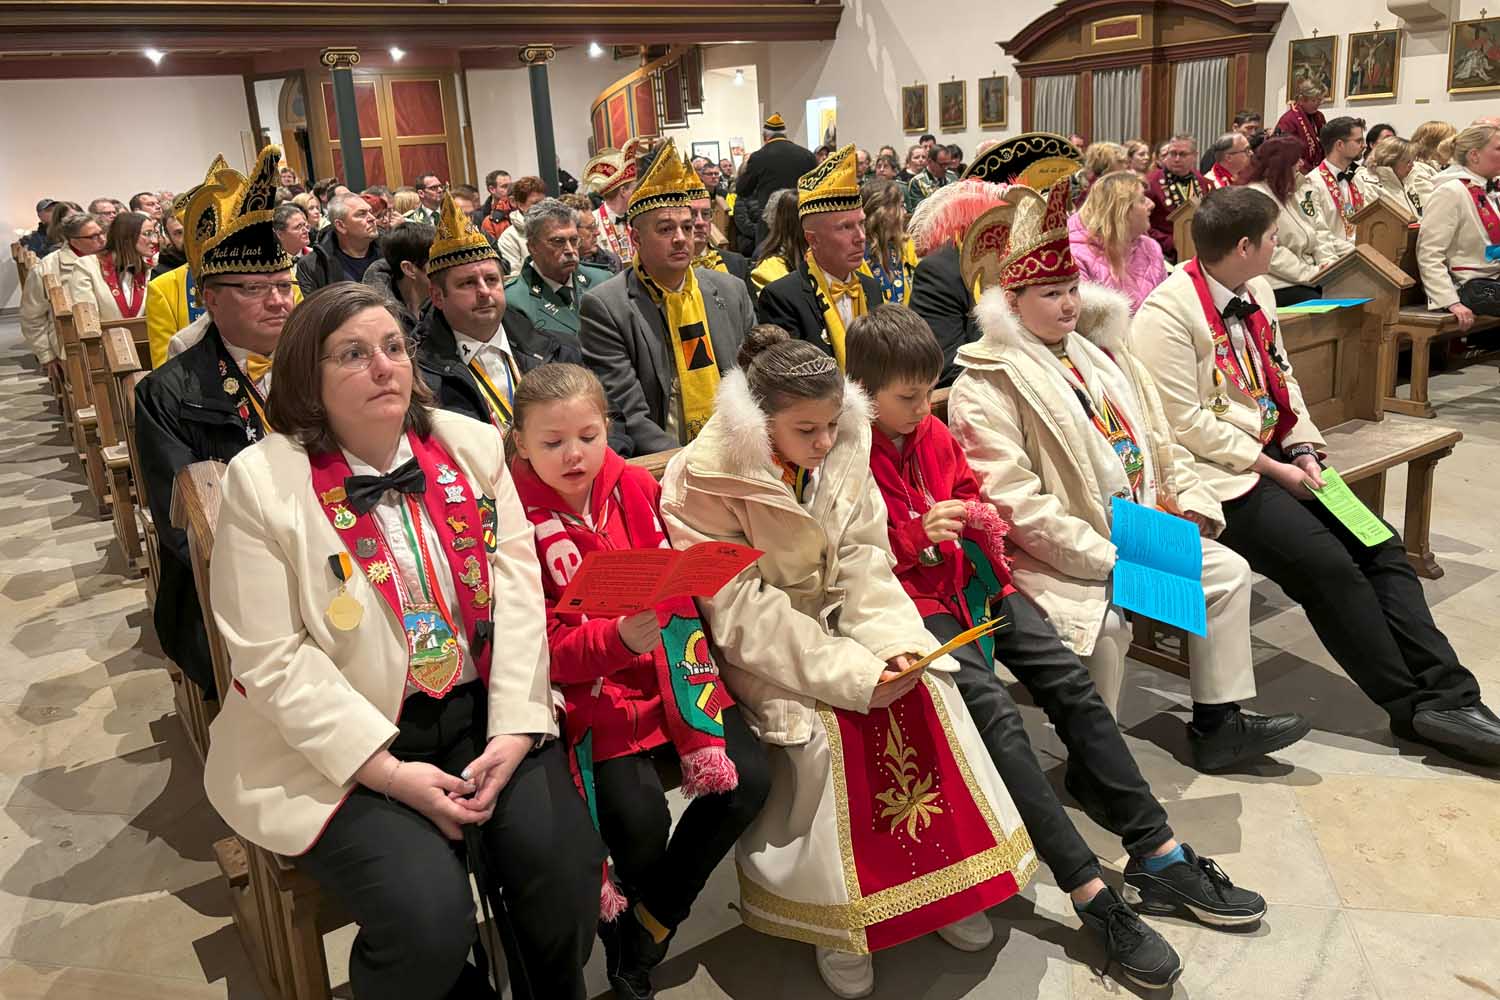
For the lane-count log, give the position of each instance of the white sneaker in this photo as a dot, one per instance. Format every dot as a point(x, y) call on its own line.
point(969, 934)
point(847, 975)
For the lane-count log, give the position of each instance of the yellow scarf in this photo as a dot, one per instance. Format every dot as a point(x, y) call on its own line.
point(711, 260)
point(499, 402)
point(687, 325)
point(831, 292)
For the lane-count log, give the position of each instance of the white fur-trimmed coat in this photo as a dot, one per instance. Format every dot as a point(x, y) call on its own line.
point(1028, 442)
point(816, 618)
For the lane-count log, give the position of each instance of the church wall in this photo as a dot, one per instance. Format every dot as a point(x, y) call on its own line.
point(78, 139)
point(885, 44)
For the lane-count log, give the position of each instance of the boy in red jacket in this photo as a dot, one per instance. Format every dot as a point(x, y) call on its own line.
point(950, 556)
point(638, 689)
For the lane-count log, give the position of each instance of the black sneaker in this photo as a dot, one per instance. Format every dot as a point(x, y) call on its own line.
point(1196, 885)
point(639, 954)
point(1471, 733)
point(1085, 791)
point(1244, 737)
point(1129, 942)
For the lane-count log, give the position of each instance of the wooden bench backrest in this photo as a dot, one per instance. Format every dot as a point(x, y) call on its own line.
point(136, 327)
point(91, 346)
point(1382, 227)
point(1182, 229)
point(67, 342)
point(197, 494)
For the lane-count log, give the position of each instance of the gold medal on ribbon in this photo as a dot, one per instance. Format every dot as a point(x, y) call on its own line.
point(344, 612)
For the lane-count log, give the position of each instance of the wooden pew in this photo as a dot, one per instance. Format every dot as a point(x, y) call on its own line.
point(1383, 227)
point(108, 431)
point(75, 374)
point(1182, 229)
point(1414, 326)
point(125, 374)
point(18, 254)
point(196, 495)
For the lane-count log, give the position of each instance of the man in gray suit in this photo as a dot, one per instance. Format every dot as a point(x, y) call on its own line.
point(623, 324)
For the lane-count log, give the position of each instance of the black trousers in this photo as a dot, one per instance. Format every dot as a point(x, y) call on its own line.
point(1365, 602)
point(406, 886)
point(1060, 685)
point(1482, 295)
point(666, 875)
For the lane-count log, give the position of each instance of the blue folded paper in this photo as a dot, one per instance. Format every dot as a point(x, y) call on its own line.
point(1158, 566)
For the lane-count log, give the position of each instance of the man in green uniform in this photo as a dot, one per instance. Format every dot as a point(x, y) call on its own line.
point(551, 281)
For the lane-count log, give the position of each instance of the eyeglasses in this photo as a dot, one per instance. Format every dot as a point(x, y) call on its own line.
point(562, 242)
point(359, 356)
point(258, 289)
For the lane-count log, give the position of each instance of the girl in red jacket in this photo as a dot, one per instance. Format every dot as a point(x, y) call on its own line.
point(639, 690)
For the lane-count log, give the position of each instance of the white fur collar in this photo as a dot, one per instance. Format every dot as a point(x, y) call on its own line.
point(739, 430)
point(1103, 320)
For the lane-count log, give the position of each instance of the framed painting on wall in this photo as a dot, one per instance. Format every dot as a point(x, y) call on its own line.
point(914, 109)
point(1374, 65)
point(953, 111)
point(708, 150)
point(1314, 59)
point(1474, 56)
point(992, 102)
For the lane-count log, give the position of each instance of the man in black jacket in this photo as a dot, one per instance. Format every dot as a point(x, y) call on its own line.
point(346, 247)
point(208, 403)
point(705, 254)
point(820, 299)
point(773, 167)
point(472, 348)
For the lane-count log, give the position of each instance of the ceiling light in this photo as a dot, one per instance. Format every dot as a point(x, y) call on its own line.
point(595, 50)
point(397, 54)
point(739, 78)
point(155, 55)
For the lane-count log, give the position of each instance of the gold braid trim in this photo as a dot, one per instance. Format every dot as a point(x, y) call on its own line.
point(756, 922)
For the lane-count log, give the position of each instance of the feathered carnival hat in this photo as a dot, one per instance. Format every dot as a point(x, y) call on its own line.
point(1038, 251)
point(944, 216)
point(457, 242)
point(227, 221)
point(663, 184)
point(603, 169)
point(831, 186)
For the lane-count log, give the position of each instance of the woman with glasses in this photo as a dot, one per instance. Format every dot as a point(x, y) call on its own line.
point(77, 267)
point(376, 585)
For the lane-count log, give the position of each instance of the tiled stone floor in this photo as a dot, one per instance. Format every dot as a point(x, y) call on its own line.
point(1379, 864)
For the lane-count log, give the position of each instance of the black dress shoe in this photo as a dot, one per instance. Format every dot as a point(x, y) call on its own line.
point(1471, 733)
point(1244, 737)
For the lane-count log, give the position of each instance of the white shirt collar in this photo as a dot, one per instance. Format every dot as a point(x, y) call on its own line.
point(403, 454)
point(1218, 292)
point(468, 347)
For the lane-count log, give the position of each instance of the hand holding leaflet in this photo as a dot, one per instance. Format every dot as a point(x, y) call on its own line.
point(974, 634)
point(1159, 566)
point(624, 581)
point(1354, 515)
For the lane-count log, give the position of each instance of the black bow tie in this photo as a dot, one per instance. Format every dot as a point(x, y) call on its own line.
point(365, 491)
point(1492, 186)
point(1348, 175)
point(1184, 180)
point(1239, 309)
point(620, 220)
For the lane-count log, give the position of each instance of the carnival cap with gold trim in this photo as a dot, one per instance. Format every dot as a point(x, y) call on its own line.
point(227, 222)
point(692, 184)
point(1035, 159)
point(831, 186)
point(457, 241)
point(775, 123)
point(602, 168)
point(1039, 253)
point(180, 203)
point(662, 184)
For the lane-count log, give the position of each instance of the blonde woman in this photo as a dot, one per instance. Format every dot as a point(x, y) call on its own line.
point(1109, 241)
point(1099, 158)
point(1138, 156)
point(890, 257)
point(1389, 167)
point(308, 202)
point(404, 201)
point(1434, 142)
point(1459, 229)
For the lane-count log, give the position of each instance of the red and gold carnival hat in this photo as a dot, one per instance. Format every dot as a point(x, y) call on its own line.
point(1039, 253)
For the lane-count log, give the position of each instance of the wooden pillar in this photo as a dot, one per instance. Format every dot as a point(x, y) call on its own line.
point(536, 57)
point(341, 62)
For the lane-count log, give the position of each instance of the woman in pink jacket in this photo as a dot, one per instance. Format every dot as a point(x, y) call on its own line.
point(1109, 241)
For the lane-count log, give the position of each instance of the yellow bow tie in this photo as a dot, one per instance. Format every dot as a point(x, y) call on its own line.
point(257, 367)
point(850, 289)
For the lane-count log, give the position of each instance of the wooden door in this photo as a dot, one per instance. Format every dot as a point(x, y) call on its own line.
point(408, 126)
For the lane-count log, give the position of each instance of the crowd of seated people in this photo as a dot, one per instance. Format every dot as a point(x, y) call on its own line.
point(427, 419)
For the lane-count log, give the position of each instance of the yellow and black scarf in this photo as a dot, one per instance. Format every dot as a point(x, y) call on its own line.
point(829, 292)
point(687, 326)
